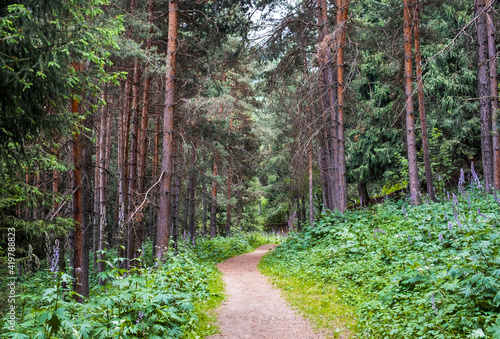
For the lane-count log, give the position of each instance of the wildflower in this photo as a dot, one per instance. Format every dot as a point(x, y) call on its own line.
point(409, 240)
point(457, 219)
point(455, 200)
point(429, 234)
point(55, 258)
point(450, 226)
point(475, 178)
point(440, 236)
point(404, 212)
point(461, 181)
point(433, 302)
point(468, 201)
point(448, 195)
point(445, 216)
point(141, 315)
point(481, 214)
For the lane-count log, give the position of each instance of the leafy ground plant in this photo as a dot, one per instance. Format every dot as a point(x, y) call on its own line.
point(431, 271)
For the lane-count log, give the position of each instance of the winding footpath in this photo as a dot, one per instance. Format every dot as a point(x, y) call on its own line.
point(254, 308)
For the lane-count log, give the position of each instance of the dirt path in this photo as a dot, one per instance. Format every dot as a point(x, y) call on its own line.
point(254, 308)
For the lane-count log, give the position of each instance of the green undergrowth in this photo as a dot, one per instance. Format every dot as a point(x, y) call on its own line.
point(175, 299)
point(399, 271)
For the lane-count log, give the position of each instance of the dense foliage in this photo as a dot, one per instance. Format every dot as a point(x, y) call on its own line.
point(151, 300)
point(430, 271)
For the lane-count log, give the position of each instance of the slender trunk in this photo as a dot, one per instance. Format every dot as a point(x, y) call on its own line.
point(162, 231)
point(228, 209)
point(205, 202)
point(342, 10)
point(186, 205)
point(122, 167)
point(484, 94)
point(410, 118)
point(143, 133)
point(328, 101)
point(97, 192)
point(156, 165)
point(175, 197)
point(81, 282)
point(492, 54)
point(132, 187)
point(421, 103)
point(311, 192)
point(213, 210)
point(192, 189)
point(322, 172)
point(103, 156)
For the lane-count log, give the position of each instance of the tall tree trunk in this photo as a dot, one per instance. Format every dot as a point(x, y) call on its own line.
point(328, 101)
point(484, 94)
point(81, 282)
point(410, 117)
point(97, 192)
point(205, 202)
point(175, 196)
point(132, 187)
point(192, 189)
point(492, 54)
point(421, 102)
point(103, 156)
point(342, 10)
point(213, 210)
point(122, 167)
point(143, 135)
point(228, 208)
point(156, 165)
point(162, 231)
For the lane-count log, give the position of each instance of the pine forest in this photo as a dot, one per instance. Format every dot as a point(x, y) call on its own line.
point(249, 169)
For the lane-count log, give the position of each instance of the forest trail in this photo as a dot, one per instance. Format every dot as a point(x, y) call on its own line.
point(254, 308)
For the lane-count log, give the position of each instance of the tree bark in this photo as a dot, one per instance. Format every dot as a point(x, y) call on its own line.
point(342, 10)
point(192, 201)
point(328, 101)
point(213, 209)
point(410, 117)
point(364, 198)
point(484, 94)
point(228, 209)
point(421, 102)
point(132, 187)
point(103, 156)
point(162, 232)
point(492, 54)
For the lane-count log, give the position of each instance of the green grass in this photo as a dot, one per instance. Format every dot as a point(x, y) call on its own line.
point(319, 302)
point(206, 310)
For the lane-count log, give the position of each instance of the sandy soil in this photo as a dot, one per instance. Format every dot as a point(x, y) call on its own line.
point(254, 308)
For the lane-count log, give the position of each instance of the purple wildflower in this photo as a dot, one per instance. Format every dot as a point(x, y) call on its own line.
point(455, 200)
point(404, 212)
point(409, 240)
point(468, 201)
point(445, 216)
point(55, 258)
point(429, 234)
point(461, 181)
point(440, 237)
point(450, 226)
point(433, 302)
point(481, 214)
point(475, 178)
point(141, 315)
point(448, 195)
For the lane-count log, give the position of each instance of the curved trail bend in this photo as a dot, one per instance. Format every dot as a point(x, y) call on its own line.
point(254, 309)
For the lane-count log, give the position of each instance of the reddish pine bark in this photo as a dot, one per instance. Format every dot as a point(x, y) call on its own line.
point(162, 231)
point(492, 54)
